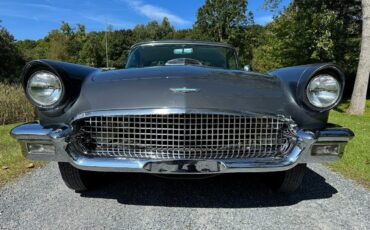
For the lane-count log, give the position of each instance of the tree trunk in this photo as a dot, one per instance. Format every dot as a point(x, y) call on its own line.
point(358, 100)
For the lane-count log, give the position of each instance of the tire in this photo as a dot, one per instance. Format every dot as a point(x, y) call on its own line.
point(288, 181)
point(74, 178)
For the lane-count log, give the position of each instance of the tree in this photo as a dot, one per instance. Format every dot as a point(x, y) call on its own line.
point(120, 42)
point(335, 28)
point(27, 48)
point(271, 4)
point(64, 44)
point(183, 34)
point(154, 31)
point(358, 100)
point(11, 60)
point(92, 52)
point(219, 19)
point(149, 31)
point(166, 30)
point(76, 43)
point(312, 31)
point(58, 45)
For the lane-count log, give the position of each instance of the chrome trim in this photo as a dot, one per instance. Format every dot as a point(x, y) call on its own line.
point(33, 132)
point(165, 111)
point(301, 153)
point(335, 134)
point(184, 166)
point(181, 42)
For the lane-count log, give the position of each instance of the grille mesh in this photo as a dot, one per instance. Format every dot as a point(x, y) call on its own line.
point(183, 136)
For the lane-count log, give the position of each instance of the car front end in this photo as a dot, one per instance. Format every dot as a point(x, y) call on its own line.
point(182, 119)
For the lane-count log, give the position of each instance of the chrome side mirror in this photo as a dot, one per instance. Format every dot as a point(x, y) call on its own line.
point(247, 68)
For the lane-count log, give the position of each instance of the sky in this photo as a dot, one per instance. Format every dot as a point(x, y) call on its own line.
point(34, 19)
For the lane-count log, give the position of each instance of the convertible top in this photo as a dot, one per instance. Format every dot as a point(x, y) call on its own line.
point(182, 41)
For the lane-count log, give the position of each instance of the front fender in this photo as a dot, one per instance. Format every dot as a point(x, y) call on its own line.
point(72, 76)
point(296, 78)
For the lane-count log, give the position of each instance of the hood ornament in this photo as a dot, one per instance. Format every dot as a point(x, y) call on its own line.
point(184, 90)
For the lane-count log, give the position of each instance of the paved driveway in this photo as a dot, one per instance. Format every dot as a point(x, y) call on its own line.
point(326, 201)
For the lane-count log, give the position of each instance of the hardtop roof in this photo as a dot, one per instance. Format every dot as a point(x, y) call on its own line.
point(182, 41)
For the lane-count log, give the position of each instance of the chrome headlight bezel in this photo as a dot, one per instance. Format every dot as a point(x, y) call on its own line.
point(47, 80)
point(329, 86)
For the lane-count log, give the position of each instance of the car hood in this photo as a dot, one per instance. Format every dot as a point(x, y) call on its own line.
point(160, 87)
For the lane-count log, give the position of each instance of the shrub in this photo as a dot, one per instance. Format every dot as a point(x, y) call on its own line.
point(14, 106)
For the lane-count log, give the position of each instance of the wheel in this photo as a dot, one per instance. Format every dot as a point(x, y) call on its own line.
point(74, 178)
point(288, 181)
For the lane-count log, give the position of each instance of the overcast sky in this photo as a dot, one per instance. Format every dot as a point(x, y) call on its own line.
point(34, 19)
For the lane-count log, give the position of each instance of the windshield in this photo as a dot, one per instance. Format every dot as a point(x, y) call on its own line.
point(183, 54)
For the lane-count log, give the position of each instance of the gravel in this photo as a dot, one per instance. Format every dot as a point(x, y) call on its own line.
point(326, 200)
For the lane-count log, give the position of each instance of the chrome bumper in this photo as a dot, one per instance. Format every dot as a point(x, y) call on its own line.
point(34, 133)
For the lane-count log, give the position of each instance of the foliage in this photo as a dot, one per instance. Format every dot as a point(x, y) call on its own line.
point(312, 31)
point(271, 4)
point(14, 107)
point(219, 20)
point(153, 31)
point(92, 52)
point(227, 21)
point(10, 57)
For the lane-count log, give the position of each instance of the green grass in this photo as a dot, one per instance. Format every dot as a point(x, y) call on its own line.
point(356, 160)
point(11, 157)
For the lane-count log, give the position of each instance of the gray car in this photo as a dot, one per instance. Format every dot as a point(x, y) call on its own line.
point(182, 107)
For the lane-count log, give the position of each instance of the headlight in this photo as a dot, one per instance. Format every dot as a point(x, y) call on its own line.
point(323, 91)
point(44, 88)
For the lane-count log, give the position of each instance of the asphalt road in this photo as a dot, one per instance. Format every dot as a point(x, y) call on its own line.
point(40, 200)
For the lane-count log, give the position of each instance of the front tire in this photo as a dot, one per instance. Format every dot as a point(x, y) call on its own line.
point(288, 181)
point(74, 178)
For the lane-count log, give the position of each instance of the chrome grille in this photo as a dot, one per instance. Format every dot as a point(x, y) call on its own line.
point(183, 136)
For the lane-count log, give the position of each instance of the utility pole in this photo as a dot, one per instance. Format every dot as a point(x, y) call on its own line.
point(106, 45)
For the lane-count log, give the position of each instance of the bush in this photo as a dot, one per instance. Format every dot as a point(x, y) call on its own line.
point(14, 106)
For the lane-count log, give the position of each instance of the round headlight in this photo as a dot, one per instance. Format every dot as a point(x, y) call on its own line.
point(323, 91)
point(44, 88)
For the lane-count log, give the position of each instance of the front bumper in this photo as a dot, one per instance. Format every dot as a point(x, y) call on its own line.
point(56, 139)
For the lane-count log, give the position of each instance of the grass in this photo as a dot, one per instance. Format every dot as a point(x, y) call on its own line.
point(356, 160)
point(11, 157)
point(14, 106)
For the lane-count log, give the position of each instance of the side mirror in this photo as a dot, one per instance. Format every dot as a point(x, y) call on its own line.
point(247, 68)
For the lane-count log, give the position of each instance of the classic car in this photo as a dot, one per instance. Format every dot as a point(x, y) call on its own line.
point(182, 107)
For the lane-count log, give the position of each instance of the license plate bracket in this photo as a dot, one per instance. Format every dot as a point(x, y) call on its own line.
point(183, 166)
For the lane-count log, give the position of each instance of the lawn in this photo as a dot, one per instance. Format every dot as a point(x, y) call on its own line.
point(356, 160)
point(12, 163)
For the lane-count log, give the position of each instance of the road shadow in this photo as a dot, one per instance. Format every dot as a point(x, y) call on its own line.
point(224, 191)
